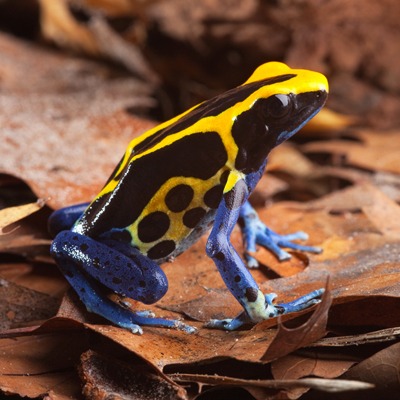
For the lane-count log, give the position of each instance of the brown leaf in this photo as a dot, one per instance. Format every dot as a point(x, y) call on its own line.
point(377, 152)
point(295, 366)
point(105, 377)
point(74, 110)
point(380, 336)
point(381, 369)
point(19, 305)
point(288, 384)
point(13, 214)
point(41, 277)
point(288, 340)
point(95, 37)
point(327, 121)
point(384, 213)
point(37, 365)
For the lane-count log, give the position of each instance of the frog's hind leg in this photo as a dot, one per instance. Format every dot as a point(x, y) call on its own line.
point(88, 264)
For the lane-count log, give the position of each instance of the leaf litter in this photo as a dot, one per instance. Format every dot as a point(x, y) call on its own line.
point(353, 218)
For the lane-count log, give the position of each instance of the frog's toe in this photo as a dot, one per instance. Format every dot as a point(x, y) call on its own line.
point(224, 324)
point(275, 242)
point(145, 314)
point(229, 324)
point(301, 303)
point(136, 329)
point(251, 262)
point(184, 327)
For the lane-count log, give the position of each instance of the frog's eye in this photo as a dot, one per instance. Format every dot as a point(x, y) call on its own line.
point(278, 106)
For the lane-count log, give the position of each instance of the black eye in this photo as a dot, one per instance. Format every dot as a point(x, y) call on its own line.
point(278, 106)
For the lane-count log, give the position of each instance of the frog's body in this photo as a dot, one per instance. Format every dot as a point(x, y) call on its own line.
point(174, 183)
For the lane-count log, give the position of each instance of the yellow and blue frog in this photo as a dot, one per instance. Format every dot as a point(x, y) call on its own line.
point(175, 182)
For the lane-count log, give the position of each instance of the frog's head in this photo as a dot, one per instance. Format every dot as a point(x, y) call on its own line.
point(280, 102)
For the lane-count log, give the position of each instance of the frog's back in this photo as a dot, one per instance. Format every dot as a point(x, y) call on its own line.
point(169, 183)
point(164, 198)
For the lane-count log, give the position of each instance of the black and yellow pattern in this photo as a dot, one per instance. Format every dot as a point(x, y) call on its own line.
point(172, 176)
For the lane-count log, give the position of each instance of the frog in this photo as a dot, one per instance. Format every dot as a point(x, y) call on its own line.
point(190, 176)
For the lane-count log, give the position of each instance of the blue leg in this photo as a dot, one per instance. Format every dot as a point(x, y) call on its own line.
point(64, 218)
point(257, 306)
point(255, 232)
point(89, 265)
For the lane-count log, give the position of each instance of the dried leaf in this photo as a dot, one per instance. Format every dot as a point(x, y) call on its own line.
point(289, 159)
point(94, 38)
point(105, 377)
point(376, 152)
point(19, 305)
point(384, 213)
point(13, 214)
point(295, 366)
point(381, 369)
point(75, 111)
point(288, 340)
point(380, 336)
point(328, 120)
point(325, 385)
point(37, 365)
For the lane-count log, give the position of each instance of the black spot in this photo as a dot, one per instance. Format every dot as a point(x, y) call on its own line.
point(224, 177)
point(161, 250)
point(179, 198)
point(116, 280)
point(238, 278)
point(213, 196)
point(193, 216)
point(251, 294)
point(75, 238)
point(142, 283)
point(236, 197)
point(153, 227)
point(220, 256)
point(83, 246)
point(130, 289)
point(200, 155)
point(82, 290)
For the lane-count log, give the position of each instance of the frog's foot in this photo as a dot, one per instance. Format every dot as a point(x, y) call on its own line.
point(92, 295)
point(265, 309)
point(256, 232)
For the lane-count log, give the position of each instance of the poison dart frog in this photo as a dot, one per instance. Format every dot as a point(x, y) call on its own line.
point(177, 181)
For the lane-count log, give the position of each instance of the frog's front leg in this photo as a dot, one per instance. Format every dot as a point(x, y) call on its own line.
point(236, 276)
point(90, 266)
point(256, 232)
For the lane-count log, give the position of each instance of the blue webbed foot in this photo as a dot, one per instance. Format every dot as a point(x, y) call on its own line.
point(268, 311)
point(256, 232)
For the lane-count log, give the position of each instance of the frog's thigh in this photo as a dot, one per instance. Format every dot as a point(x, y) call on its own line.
point(135, 276)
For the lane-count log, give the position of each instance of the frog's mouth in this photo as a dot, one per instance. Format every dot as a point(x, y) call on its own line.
point(307, 105)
